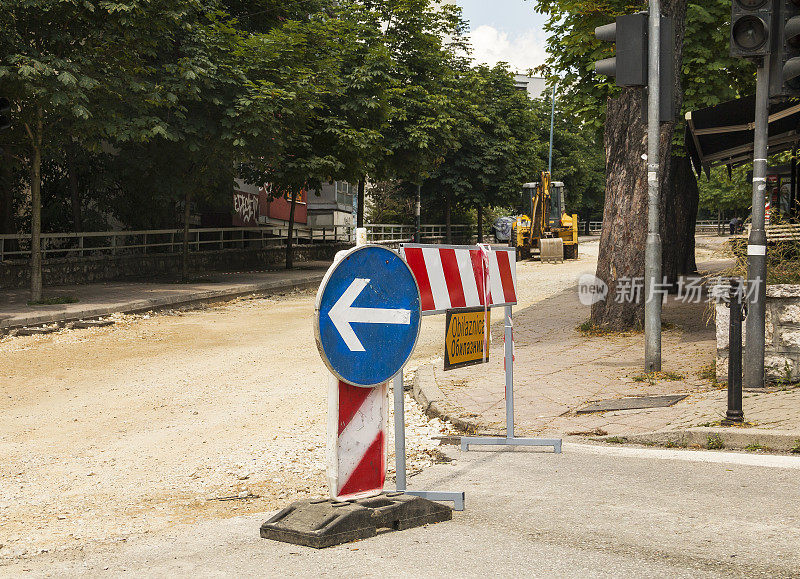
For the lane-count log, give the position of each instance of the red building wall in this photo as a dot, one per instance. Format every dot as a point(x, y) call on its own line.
point(279, 207)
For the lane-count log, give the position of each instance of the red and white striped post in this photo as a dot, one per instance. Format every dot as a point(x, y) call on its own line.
point(357, 420)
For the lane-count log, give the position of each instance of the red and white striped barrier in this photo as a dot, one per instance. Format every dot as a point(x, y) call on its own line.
point(356, 440)
point(456, 276)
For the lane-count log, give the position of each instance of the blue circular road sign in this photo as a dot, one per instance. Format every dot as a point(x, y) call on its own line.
point(367, 315)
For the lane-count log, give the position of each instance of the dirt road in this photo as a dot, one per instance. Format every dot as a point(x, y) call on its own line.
point(125, 430)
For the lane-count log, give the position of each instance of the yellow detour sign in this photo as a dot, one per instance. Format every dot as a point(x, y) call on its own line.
point(464, 335)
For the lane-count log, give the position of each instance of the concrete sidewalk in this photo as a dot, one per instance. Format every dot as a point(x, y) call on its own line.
point(95, 300)
point(559, 372)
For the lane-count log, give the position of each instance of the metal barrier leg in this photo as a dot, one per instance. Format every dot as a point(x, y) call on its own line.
point(399, 433)
point(457, 498)
point(510, 439)
point(509, 368)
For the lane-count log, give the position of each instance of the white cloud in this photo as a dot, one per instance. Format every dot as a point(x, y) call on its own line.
point(520, 51)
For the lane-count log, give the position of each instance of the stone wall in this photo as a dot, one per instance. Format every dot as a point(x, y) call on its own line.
point(77, 270)
point(782, 355)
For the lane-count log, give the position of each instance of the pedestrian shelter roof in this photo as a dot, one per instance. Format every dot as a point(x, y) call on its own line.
point(723, 134)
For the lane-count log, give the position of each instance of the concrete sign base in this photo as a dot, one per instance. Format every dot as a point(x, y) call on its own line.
point(325, 523)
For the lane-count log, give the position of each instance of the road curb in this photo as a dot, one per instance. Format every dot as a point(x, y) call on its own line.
point(736, 438)
point(433, 402)
point(265, 287)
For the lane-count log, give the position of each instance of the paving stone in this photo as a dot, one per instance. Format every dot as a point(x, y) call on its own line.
point(550, 385)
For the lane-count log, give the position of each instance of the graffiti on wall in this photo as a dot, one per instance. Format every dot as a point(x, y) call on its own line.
point(245, 207)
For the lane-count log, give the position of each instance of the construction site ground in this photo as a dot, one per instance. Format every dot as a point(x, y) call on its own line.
point(199, 410)
point(186, 415)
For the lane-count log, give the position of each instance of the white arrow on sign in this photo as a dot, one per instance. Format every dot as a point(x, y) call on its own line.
point(343, 314)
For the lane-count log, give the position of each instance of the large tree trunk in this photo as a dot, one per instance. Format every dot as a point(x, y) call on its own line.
point(74, 193)
point(679, 216)
point(360, 204)
point(621, 260)
point(289, 234)
point(622, 242)
point(187, 214)
point(448, 229)
point(680, 197)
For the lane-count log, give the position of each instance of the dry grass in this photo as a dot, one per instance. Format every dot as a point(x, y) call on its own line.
point(54, 301)
point(709, 372)
point(653, 377)
point(783, 261)
point(589, 330)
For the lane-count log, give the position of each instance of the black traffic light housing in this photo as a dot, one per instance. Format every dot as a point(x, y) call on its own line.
point(630, 65)
point(751, 27)
point(5, 113)
point(784, 77)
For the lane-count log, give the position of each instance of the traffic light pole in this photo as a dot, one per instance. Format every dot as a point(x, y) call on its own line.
point(757, 243)
point(652, 258)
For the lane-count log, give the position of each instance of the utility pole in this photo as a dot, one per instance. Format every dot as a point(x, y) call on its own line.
point(757, 243)
point(652, 255)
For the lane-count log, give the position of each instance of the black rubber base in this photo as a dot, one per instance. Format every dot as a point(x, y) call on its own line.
point(325, 523)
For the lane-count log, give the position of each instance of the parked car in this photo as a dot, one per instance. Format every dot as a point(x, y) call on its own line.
point(502, 228)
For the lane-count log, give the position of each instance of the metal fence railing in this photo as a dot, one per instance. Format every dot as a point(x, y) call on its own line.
point(393, 233)
point(701, 226)
point(94, 243)
point(589, 227)
point(710, 226)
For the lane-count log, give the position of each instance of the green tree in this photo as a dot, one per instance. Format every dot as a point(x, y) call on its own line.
point(721, 193)
point(704, 73)
point(48, 71)
point(578, 158)
point(497, 145)
point(429, 52)
point(88, 82)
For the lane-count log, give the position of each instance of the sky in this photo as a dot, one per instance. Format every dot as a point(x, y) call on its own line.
point(505, 30)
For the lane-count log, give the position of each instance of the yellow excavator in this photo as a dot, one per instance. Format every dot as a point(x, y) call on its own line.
point(548, 229)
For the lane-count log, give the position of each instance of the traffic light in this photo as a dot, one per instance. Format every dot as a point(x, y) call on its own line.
point(629, 33)
point(784, 78)
point(751, 23)
point(5, 113)
point(630, 65)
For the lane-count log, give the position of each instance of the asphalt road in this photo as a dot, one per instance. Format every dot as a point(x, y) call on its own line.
point(593, 511)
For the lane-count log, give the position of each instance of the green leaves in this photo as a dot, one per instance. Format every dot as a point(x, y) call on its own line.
point(709, 74)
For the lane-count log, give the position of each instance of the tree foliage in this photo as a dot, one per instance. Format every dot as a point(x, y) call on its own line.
point(139, 112)
point(709, 74)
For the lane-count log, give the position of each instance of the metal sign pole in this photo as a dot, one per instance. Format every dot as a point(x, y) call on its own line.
point(457, 498)
point(653, 298)
point(399, 432)
point(510, 439)
point(757, 243)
